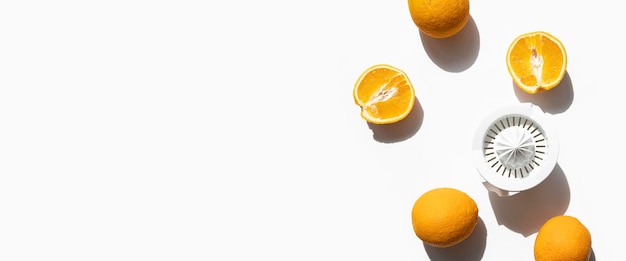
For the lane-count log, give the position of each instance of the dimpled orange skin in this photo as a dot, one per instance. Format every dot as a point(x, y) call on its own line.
point(563, 238)
point(444, 217)
point(439, 18)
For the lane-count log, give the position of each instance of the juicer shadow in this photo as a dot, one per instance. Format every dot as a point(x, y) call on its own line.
point(526, 211)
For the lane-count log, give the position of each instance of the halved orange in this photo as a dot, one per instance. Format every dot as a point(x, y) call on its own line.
point(537, 61)
point(384, 94)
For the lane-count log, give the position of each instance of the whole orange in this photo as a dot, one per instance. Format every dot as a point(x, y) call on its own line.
point(563, 238)
point(439, 18)
point(444, 217)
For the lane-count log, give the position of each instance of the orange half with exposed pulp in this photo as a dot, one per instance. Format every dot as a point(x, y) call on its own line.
point(537, 61)
point(384, 93)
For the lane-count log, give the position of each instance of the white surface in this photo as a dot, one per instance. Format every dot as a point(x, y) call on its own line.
point(216, 130)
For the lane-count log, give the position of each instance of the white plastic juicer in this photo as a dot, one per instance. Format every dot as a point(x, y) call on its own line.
point(515, 149)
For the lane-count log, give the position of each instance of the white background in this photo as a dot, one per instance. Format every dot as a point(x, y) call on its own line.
point(226, 130)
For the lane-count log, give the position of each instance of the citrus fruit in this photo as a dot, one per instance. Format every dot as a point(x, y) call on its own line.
point(444, 217)
point(439, 18)
point(384, 94)
point(563, 238)
point(537, 61)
